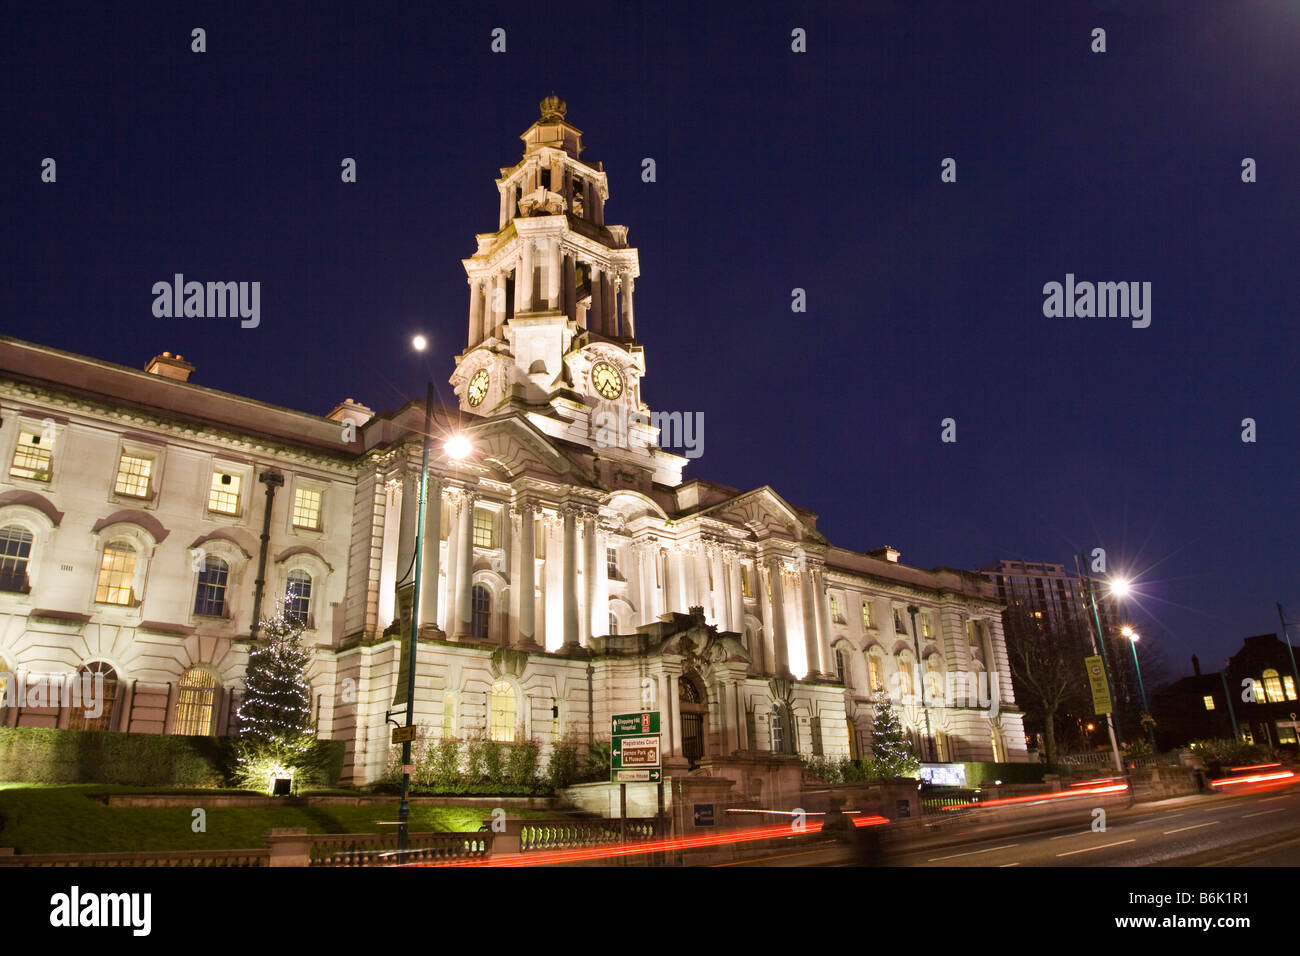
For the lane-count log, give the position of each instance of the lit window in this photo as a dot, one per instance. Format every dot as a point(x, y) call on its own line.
point(92, 697)
point(877, 675)
point(15, 551)
point(193, 715)
point(839, 667)
point(611, 563)
point(1247, 737)
point(868, 618)
point(482, 607)
point(931, 680)
point(297, 597)
point(223, 498)
point(1258, 688)
point(306, 509)
point(502, 710)
point(1209, 702)
point(1286, 733)
point(746, 585)
point(133, 474)
point(836, 614)
point(1273, 686)
point(483, 528)
point(925, 625)
point(906, 677)
point(32, 459)
point(1289, 683)
point(116, 573)
point(210, 597)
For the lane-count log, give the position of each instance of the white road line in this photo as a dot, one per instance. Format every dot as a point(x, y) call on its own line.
point(1260, 813)
point(1075, 833)
point(1102, 847)
point(1194, 826)
point(1005, 865)
point(1285, 796)
point(936, 859)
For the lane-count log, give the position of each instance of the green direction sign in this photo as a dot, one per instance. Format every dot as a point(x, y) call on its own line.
point(634, 754)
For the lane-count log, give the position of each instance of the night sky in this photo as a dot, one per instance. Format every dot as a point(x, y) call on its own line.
point(775, 170)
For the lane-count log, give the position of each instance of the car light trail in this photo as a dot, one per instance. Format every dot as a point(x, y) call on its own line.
point(1253, 778)
point(1042, 797)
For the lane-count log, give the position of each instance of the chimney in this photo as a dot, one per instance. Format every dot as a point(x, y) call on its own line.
point(353, 411)
point(1196, 665)
point(886, 554)
point(170, 366)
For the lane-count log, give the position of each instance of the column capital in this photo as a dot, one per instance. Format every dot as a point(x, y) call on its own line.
point(524, 507)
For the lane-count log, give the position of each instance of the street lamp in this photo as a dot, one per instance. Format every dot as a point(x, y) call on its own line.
point(912, 609)
point(456, 448)
point(1133, 636)
point(1099, 647)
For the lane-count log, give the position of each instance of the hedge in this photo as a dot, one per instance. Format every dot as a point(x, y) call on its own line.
point(982, 772)
point(42, 755)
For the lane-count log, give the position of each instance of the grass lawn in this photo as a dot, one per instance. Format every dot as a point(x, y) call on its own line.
point(54, 818)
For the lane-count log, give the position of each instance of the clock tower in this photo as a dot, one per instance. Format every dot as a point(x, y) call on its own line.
point(552, 333)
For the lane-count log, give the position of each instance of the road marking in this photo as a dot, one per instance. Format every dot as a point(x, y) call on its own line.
point(936, 859)
point(1005, 865)
point(1075, 833)
point(1102, 847)
point(1260, 813)
point(1194, 826)
point(1285, 796)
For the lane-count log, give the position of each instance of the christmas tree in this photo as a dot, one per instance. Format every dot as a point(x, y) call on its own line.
point(891, 752)
point(276, 736)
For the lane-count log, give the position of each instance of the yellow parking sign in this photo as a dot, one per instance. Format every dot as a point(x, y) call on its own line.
point(1097, 680)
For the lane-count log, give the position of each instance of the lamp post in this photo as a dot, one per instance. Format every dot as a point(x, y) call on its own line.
point(912, 609)
point(1133, 636)
point(1112, 725)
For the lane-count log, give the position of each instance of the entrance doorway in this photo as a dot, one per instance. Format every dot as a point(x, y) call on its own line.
point(694, 708)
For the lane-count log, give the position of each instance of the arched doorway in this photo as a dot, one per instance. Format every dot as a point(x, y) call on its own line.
point(694, 707)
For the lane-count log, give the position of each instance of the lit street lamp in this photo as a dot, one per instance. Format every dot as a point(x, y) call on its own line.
point(1133, 636)
point(1117, 585)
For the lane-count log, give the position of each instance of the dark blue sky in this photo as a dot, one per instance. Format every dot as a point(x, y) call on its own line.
point(775, 170)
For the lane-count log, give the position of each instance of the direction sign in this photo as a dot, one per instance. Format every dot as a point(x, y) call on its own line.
point(402, 734)
point(634, 753)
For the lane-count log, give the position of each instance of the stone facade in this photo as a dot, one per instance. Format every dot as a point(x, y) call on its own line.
point(569, 572)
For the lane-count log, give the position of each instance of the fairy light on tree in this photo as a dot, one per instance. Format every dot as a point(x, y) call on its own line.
point(890, 749)
point(276, 736)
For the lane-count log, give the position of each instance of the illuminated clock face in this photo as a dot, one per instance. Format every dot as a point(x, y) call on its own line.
point(478, 386)
point(607, 380)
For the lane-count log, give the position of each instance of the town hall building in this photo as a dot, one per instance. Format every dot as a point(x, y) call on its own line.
point(570, 569)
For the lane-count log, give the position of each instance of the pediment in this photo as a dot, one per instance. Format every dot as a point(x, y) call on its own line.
point(513, 446)
point(766, 514)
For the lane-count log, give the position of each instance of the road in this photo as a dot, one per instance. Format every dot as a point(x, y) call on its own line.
point(1249, 829)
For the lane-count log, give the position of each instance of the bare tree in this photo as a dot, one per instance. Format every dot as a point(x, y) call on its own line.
point(1047, 667)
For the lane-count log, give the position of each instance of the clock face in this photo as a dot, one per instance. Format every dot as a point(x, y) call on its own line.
point(607, 380)
point(478, 386)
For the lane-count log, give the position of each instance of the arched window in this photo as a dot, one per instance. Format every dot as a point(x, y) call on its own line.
point(502, 712)
point(15, 550)
point(876, 672)
point(839, 667)
point(93, 694)
point(194, 700)
point(933, 680)
point(1273, 687)
point(116, 574)
point(297, 597)
point(210, 596)
point(906, 678)
point(482, 609)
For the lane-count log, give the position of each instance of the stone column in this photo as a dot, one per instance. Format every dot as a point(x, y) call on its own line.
point(703, 593)
point(570, 585)
point(629, 326)
point(524, 279)
point(681, 583)
point(410, 492)
point(825, 624)
point(777, 577)
point(721, 590)
point(596, 317)
point(569, 287)
point(665, 712)
point(808, 606)
point(475, 312)
point(432, 548)
point(388, 555)
point(506, 191)
point(453, 563)
point(527, 572)
point(675, 711)
point(498, 304)
point(607, 309)
point(553, 273)
point(589, 575)
point(465, 573)
point(737, 597)
point(600, 616)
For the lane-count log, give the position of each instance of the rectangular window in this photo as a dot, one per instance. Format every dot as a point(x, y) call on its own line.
point(611, 564)
point(1209, 702)
point(483, 528)
point(925, 625)
point(1258, 687)
point(899, 627)
point(306, 508)
point(868, 617)
point(1286, 733)
point(1288, 682)
point(837, 616)
point(133, 473)
point(223, 498)
point(31, 458)
point(116, 572)
point(877, 678)
point(746, 584)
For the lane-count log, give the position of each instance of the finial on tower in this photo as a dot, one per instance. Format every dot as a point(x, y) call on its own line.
point(553, 109)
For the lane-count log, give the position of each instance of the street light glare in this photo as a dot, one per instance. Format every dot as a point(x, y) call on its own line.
point(1119, 587)
point(1126, 631)
point(420, 343)
point(457, 447)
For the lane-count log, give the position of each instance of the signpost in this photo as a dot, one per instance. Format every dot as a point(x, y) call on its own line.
point(634, 752)
point(402, 734)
